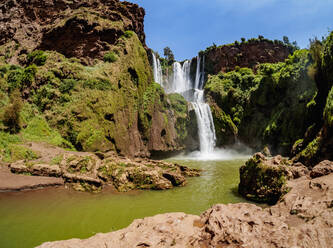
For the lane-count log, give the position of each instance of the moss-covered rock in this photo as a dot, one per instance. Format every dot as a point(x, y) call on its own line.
point(264, 180)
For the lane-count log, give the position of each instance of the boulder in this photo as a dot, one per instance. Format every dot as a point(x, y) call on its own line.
point(323, 168)
point(264, 180)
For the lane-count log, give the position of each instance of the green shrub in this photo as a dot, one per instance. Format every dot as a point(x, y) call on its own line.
point(110, 57)
point(45, 97)
point(37, 57)
point(11, 116)
point(19, 78)
point(98, 84)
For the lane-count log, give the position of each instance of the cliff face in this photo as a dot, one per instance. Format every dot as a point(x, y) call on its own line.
point(286, 106)
point(248, 54)
point(81, 70)
point(266, 108)
point(81, 29)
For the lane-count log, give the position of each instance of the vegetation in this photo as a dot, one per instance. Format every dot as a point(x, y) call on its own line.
point(37, 57)
point(110, 57)
point(170, 58)
point(11, 115)
point(243, 98)
point(263, 182)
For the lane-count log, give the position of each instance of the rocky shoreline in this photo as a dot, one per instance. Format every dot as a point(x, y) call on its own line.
point(301, 218)
point(10, 182)
point(85, 171)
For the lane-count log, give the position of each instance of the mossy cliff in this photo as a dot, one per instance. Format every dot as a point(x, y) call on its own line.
point(83, 76)
point(317, 143)
point(271, 107)
point(286, 106)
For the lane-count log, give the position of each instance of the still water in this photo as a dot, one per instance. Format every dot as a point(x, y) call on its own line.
point(28, 219)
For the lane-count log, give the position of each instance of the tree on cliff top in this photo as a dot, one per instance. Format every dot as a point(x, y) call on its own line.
point(169, 55)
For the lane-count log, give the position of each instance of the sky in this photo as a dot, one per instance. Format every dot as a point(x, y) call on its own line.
point(189, 26)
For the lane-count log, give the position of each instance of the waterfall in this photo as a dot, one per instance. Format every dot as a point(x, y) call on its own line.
point(157, 69)
point(181, 81)
point(206, 128)
point(193, 92)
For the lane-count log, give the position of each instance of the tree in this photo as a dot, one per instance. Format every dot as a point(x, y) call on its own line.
point(169, 55)
point(286, 40)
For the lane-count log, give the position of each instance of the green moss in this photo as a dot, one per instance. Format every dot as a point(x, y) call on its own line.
point(178, 103)
point(19, 152)
point(128, 34)
point(91, 137)
point(39, 130)
point(328, 111)
point(262, 183)
point(110, 57)
point(98, 83)
point(310, 152)
point(37, 57)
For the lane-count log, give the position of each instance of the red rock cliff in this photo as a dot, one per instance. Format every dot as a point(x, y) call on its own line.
point(248, 54)
point(69, 27)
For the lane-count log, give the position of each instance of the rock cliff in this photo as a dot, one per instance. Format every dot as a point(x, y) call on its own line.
point(73, 28)
point(81, 70)
point(246, 54)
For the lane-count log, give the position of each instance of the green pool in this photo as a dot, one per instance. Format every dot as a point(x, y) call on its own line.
point(28, 219)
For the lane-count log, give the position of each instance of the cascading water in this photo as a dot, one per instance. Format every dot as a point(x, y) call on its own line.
point(203, 113)
point(158, 76)
point(193, 92)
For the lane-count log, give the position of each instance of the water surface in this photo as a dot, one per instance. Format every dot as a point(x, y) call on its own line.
point(28, 219)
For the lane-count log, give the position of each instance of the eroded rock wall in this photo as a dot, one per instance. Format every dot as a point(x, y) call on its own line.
point(246, 54)
point(81, 29)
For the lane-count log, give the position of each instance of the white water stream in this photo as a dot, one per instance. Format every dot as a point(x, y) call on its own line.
point(158, 76)
point(193, 92)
